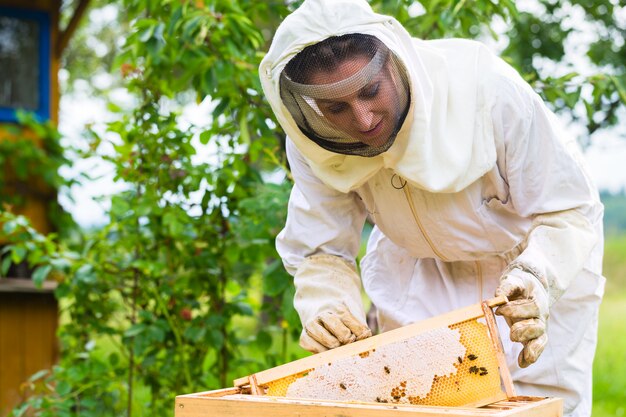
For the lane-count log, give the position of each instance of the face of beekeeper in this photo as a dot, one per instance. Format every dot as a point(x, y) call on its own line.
point(370, 114)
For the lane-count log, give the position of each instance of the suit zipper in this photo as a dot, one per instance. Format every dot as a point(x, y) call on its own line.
point(407, 193)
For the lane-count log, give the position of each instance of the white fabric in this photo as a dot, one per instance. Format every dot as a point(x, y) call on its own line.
point(535, 208)
point(328, 301)
point(446, 142)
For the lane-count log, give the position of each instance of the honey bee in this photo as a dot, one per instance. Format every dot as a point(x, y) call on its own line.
point(472, 357)
point(387, 370)
point(342, 385)
point(460, 360)
point(473, 370)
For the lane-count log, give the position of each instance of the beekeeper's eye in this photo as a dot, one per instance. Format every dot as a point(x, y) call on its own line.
point(370, 91)
point(337, 108)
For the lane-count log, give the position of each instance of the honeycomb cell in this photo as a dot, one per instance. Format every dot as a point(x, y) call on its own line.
point(469, 375)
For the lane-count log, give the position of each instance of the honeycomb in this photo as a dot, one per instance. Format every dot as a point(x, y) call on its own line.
point(396, 372)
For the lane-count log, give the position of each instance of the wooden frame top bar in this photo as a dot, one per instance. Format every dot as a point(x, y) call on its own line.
point(302, 365)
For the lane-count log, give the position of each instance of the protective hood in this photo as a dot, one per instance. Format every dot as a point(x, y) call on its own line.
point(446, 141)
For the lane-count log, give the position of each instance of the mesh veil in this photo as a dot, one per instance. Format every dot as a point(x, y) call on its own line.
point(349, 94)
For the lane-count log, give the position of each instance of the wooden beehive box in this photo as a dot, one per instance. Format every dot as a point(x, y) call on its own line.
point(449, 365)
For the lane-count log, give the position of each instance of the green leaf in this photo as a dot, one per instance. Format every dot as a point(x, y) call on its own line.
point(119, 206)
point(155, 334)
point(264, 340)
point(63, 388)
point(205, 137)
point(219, 109)
point(40, 274)
point(243, 308)
point(243, 126)
point(9, 227)
point(85, 274)
point(216, 339)
point(38, 375)
point(17, 254)
point(146, 34)
point(195, 333)
point(6, 264)
point(114, 359)
point(135, 330)
point(275, 278)
point(175, 227)
point(621, 88)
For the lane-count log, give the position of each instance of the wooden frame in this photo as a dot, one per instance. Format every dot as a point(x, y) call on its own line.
point(247, 397)
point(471, 312)
point(234, 402)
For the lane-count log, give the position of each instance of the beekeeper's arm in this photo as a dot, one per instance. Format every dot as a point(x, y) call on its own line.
point(547, 183)
point(318, 246)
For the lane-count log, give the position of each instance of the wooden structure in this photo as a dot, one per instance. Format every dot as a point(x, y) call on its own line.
point(28, 323)
point(463, 392)
point(233, 402)
point(31, 45)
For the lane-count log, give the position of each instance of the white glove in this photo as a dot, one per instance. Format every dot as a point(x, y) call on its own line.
point(556, 250)
point(328, 300)
point(526, 313)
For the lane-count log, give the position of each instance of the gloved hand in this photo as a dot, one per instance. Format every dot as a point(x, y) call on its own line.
point(331, 329)
point(328, 300)
point(526, 313)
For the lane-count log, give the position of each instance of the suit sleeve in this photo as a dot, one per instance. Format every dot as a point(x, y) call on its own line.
point(320, 220)
point(548, 183)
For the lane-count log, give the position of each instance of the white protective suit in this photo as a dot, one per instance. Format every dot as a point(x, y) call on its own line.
point(479, 180)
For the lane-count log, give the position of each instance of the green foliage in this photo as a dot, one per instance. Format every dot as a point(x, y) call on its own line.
point(447, 18)
point(22, 243)
point(31, 156)
point(534, 39)
point(161, 300)
point(93, 47)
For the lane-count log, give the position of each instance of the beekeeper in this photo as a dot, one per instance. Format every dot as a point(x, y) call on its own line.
point(472, 187)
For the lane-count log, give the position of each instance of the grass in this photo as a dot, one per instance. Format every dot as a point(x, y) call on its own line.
point(615, 266)
point(609, 370)
point(609, 381)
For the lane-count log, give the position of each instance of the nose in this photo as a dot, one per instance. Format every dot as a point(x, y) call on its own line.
point(362, 117)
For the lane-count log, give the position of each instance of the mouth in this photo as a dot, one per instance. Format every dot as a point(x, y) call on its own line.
point(374, 131)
